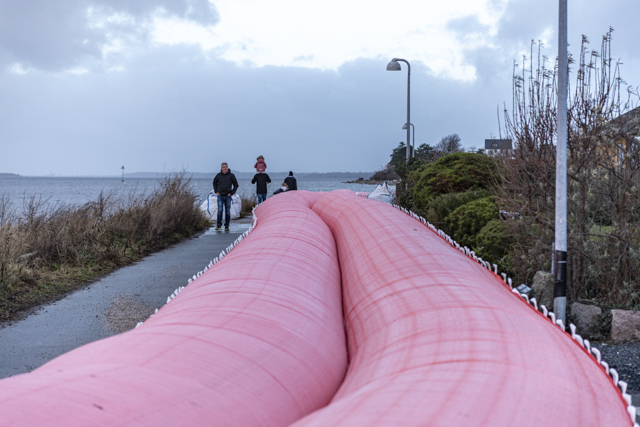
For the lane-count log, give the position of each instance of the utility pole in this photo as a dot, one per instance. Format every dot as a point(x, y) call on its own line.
point(560, 251)
point(122, 173)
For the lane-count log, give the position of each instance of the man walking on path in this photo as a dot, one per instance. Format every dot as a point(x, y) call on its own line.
point(291, 182)
point(261, 180)
point(225, 185)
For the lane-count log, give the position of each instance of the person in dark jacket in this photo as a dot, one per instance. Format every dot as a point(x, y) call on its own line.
point(282, 189)
point(291, 182)
point(225, 185)
point(261, 180)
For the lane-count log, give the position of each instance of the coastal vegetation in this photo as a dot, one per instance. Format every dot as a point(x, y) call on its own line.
point(49, 249)
point(456, 194)
point(248, 203)
point(423, 154)
point(603, 177)
point(426, 153)
point(502, 205)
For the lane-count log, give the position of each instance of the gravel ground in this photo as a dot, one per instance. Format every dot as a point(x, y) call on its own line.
point(625, 358)
point(124, 314)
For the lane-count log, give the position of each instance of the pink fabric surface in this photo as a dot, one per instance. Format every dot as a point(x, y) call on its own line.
point(258, 340)
point(437, 340)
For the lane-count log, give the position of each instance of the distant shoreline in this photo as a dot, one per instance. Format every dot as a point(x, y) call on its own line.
point(373, 181)
point(208, 175)
point(241, 174)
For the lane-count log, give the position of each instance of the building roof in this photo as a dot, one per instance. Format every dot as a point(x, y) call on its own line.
point(625, 124)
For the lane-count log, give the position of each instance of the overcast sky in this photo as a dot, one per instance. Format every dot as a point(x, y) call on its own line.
point(87, 86)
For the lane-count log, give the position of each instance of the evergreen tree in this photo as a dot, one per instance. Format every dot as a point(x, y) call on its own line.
point(399, 155)
point(425, 152)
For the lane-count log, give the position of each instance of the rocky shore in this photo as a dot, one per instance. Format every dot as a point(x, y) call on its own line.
point(371, 181)
point(388, 174)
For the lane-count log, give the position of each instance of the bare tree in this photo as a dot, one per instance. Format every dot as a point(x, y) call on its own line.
point(603, 175)
point(449, 144)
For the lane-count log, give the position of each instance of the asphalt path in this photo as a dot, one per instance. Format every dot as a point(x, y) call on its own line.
point(86, 315)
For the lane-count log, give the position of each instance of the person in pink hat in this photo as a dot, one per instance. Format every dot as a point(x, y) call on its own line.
point(261, 165)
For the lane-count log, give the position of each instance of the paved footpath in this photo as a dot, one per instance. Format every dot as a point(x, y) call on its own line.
point(85, 315)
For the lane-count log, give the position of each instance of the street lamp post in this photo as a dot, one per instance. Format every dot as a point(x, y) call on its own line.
point(560, 270)
point(395, 66)
point(122, 173)
point(413, 144)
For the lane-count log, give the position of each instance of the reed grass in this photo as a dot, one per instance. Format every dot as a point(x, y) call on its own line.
point(49, 249)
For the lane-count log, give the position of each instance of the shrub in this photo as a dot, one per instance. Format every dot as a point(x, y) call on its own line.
point(493, 242)
point(466, 221)
point(441, 206)
point(457, 172)
point(404, 189)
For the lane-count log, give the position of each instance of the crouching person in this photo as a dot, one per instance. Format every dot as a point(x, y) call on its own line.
point(283, 187)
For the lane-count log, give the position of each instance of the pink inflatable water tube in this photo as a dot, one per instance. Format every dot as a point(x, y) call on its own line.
point(258, 340)
point(433, 338)
point(436, 339)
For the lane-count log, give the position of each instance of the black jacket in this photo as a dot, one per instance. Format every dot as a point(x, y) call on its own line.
point(291, 183)
point(225, 183)
point(262, 179)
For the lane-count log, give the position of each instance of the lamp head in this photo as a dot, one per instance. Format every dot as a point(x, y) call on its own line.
point(404, 126)
point(393, 65)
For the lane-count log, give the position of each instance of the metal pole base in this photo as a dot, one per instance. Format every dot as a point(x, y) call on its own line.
point(560, 309)
point(560, 286)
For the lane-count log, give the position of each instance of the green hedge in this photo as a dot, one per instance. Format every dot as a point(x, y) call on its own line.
point(466, 221)
point(440, 207)
point(455, 173)
point(493, 242)
point(454, 194)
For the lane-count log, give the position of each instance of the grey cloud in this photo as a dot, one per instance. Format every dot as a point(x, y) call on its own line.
point(303, 58)
point(468, 26)
point(177, 106)
point(56, 35)
point(46, 34)
point(172, 105)
point(198, 10)
point(525, 21)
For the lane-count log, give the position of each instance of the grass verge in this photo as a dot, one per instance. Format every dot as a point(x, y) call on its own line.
point(48, 250)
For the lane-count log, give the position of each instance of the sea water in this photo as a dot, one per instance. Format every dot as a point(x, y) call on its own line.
point(80, 190)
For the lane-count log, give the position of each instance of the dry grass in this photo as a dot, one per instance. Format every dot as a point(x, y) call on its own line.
point(248, 203)
point(50, 249)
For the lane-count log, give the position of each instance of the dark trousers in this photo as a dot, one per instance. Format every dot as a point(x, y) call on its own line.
point(226, 202)
point(262, 197)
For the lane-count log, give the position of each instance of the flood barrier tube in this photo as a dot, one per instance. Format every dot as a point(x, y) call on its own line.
point(436, 339)
point(258, 340)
